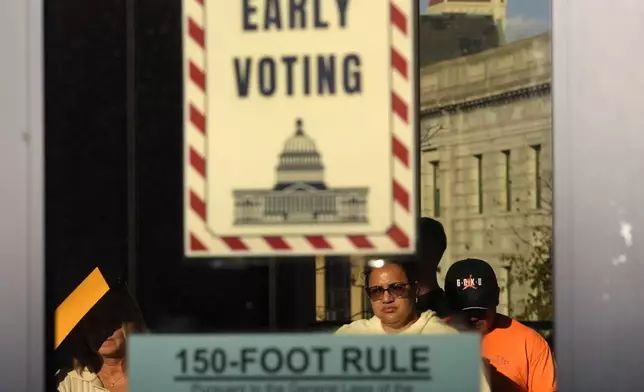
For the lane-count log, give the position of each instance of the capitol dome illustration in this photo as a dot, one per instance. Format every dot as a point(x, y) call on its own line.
point(300, 194)
point(300, 162)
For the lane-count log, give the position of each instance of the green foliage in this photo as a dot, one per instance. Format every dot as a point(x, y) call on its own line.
point(534, 269)
point(533, 266)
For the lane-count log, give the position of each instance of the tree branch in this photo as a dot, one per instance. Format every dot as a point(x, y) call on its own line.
point(535, 268)
point(429, 132)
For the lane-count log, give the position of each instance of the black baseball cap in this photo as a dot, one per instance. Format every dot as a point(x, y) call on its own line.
point(471, 284)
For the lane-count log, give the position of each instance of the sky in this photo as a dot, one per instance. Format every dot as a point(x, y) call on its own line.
point(525, 18)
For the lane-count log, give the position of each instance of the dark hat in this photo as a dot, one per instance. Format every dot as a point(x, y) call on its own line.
point(90, 313)
point(471, 284)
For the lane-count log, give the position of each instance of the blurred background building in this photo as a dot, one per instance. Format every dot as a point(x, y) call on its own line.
point(449, 36)
point(485, 153)
point(496, 9)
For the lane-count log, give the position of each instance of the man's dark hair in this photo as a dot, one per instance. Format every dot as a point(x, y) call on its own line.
point(432, 241)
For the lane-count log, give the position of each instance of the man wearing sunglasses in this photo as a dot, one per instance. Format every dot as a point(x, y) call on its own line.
point(517, 357)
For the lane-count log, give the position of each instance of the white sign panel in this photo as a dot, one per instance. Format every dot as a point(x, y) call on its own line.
point(304, 363)
point(300, 127)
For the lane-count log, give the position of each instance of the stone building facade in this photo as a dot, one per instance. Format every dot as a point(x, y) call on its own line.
point(486, 147)
point(495, 8)
point(486, 129)
point(450, 36)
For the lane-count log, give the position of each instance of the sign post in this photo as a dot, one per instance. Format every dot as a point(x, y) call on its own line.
point(322, 362)
point(300, 134)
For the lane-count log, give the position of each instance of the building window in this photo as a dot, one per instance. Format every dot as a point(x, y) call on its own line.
point(338, 289)
point(436, 188)
point(508, 181)
point(470, 45)
point(537, 175)
point(479, 179)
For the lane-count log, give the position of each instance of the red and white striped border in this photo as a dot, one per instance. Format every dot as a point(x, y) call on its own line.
point(400, 235)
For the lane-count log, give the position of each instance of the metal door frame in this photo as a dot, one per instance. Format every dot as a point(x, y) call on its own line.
point(22, 294)
point(598, 96)
point(599, 165)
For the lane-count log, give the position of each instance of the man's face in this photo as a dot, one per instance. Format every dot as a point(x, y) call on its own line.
point(481, 320)
point(428, 275)
point(429, 257)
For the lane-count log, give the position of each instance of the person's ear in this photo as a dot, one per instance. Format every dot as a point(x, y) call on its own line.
point(421, 289)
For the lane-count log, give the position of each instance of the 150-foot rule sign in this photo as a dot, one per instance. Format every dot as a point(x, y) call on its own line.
point(305, 363)
point(300, 127)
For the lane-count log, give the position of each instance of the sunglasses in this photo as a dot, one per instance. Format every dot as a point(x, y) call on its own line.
point(396, 290)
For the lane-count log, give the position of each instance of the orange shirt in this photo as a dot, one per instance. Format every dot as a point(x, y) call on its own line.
point(518, 358)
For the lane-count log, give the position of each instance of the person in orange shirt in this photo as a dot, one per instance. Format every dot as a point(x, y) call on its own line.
point(517, 357)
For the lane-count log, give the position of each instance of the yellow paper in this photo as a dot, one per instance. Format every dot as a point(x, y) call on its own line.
point(78, 304)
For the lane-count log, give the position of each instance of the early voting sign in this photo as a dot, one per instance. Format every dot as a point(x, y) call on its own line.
point(304, 363)
point(300, 132)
